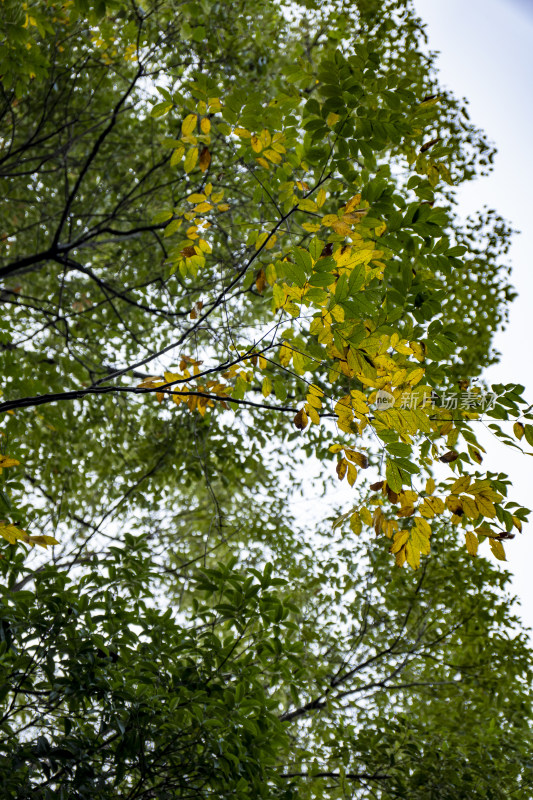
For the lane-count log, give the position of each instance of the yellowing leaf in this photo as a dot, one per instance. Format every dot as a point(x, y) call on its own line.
point(188, 124)
point(460, 485)
point(415, 376)
point(273, 156)
point(485, 506)
point(497, 548)
point(12, 534)
point(190, 159)
point(321, 198)
point(265, 137)
point(266, 388)
point(472, 543)
point(201, 208)
point(517, 523)
point(314, 416)
point(352, 474)
point(399, 541)
point(469, 507)
point(42, 541)
point(418, 350)
point(177, 155)
point(436, 504)
point(205, 125)
point(352, 203)
point(355, 523)
point(430, 486)
point(358, 458)
point(518, 430)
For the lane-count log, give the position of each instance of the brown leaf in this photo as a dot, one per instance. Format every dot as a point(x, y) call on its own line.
point(451, 455)
point(300, 420)
point(188, 252)
point(376, 486)
point(260, 281)
point(327, 250)
point(429, 144)
point(205, 159)
point(342, 467)
point(393, 497)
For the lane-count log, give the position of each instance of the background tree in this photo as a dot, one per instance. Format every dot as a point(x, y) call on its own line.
point(248, 212)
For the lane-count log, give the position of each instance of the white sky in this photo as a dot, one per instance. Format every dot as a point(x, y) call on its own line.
point(486, 55)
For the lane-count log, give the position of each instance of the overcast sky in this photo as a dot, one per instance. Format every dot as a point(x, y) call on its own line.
point(486, 55)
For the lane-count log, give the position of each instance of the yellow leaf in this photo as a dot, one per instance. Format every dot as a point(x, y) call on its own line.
point(412, 555)
point(399, 541)
point(188, 124)
point(263, 162)
point(472, 543)
point(415, 376)
point(265, 137)
point(430, 486)
point(7, 461)
point(256, 144)
point(42, 541)
point(273, 156)
point(352, 474)
point(244, 133)
point(517, 523)
point(12, 534)
point(352, 203)
point(485, 506)
point(205, 125)
point(436, 504)
point(358, 458)
point(454, 504)
point(418, 350)
point(313, 415)
point(469, 507)
point(400, 557)
point(419, 541)
point(214, 104)
point(423, 526)
point(332, 119)
point(497, 548)
point(201, 208)
point(355, 523)
point(365, 515)
point(176, 156)
point(190, 159)
point(460, 485)
point(314, 401)
point(321, 198)
point(518, 429)
point(267, 386)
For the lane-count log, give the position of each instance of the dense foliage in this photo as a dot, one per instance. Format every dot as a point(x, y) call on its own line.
point(230, 262)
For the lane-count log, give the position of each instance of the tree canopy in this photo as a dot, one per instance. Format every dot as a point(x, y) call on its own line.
point(231, 260)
